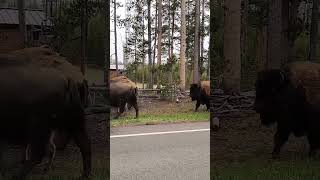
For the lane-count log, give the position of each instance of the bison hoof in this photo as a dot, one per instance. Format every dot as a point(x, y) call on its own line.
point(86, 176)
point(275, 155)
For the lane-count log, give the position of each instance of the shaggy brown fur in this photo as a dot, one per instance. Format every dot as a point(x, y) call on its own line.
point(306, 75)
point(205, 86)
point(48, 58)
point(123, 79)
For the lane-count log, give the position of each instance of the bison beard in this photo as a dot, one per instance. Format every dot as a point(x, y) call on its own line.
point(35, 101)
point(287, 97)
point(201, 94)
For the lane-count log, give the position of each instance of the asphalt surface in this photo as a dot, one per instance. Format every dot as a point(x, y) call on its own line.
point(174, 156)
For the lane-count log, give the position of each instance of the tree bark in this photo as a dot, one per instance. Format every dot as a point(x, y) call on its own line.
point(232, 53)
point(172, 33)
point(84, 34)
point(285, 32)
point(196, 78)
point(159, 31)
point(115, 33)
point(202, 38)
point(143, 50)
point(314, 33)
point(261, 55)
point(274, 34)
point(244, 30)
point(106, 45)
point(22, 24)
point(155, 44)
point(149, 45)
point(293, 20)
point(182, 69)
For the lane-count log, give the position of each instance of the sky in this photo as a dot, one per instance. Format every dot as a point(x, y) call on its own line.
point(121, 33)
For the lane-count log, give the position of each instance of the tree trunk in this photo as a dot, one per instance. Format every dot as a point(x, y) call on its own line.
point(232, 53)
point(159, 31)
point(84, 34)
point(106, 45)
point(115, 33)
point(274, 34)
point(211, 41)
point(143, 50)
point(149, 45)
point(22, 24)
point(172, 32)
point(196, 73)
point(293, 27)
point(285, 32)
point(182, 69)
point(169, 34)
point(202, 38)
point(155, 44)
point(314, 33)
point(159, 39)
point(261, 55)
point(244, 30)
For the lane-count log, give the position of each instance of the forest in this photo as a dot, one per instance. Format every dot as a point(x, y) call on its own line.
point(252, 35)
point(163, 39)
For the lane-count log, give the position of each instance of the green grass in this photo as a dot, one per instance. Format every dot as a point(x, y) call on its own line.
point(100, 171)
point(148, 119)
point(292, 170)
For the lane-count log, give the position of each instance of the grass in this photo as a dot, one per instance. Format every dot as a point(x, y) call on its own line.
point(100, 171)
point(292, 170)
point(149, 119)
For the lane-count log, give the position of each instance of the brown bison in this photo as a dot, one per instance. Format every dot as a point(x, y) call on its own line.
point(290, 97)
point(46, 57)
point(122, 92)
point(35, 101)
point(201, 93)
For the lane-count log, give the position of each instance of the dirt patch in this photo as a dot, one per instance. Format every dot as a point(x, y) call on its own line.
point(160, 107)
point(244, 139)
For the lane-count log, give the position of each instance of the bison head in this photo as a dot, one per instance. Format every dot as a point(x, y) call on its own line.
point(195, 91)
point(271, 95)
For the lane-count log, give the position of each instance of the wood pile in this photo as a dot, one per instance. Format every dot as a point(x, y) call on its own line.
point(224, 105)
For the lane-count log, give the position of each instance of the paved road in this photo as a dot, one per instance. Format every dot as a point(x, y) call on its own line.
point(172, 156)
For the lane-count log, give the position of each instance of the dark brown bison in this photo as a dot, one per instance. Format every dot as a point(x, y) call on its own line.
point(201, 93)
point(122, 92)
point(34, 101)
point(46, 57)
point(290, 97)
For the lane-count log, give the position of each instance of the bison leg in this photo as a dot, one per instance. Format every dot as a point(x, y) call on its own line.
point(122, 107)
point(137, 110)
point(34, 155)
point(83, 142)
point(208, 106)
point(52, 153)
point(313, 144)
point(280, 138)
point(197, 106)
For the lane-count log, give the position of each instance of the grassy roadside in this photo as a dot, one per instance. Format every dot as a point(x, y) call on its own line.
point(100, 171)
point(293, 170)
point(149, 119)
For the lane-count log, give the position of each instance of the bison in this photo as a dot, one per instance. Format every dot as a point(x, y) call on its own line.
point(201, 93)
point(123, 91)
point(289, 97)
point(34, 101)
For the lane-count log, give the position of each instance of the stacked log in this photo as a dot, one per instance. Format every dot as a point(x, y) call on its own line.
point(224, 105)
